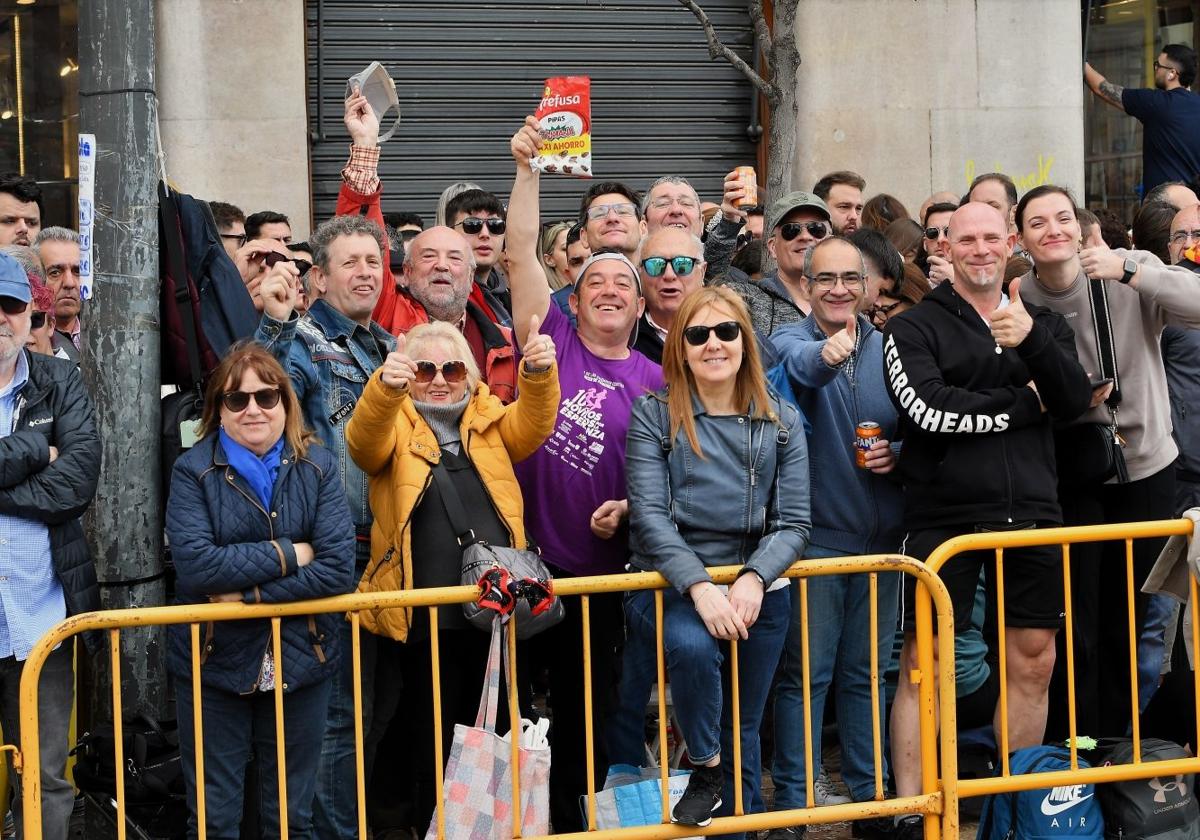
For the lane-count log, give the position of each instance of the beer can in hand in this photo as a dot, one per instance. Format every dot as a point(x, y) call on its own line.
point(749, 187)
point(865, 435)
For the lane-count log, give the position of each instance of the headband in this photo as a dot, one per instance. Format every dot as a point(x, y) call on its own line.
point(609, 255)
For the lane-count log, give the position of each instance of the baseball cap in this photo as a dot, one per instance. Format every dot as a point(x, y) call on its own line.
point(14, 282)
point(796, 200)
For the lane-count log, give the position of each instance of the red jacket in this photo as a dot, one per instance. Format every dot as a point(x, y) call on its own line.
point(397, 311)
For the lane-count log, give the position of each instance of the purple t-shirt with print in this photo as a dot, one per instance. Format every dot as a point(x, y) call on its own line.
point(582, 464)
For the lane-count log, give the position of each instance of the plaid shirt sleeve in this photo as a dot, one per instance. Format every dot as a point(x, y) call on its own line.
point(361, 172)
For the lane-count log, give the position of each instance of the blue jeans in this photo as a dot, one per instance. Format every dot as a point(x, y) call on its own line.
point(700, 687)
point(335, 809)
point(234, 724)
point(838, 642)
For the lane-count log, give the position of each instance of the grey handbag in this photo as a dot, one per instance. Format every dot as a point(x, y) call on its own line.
point(512, 581)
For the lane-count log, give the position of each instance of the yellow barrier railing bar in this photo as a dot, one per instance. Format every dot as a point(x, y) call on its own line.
point(438, 747)
point(585, 614)
point(876, 727)
point(280, 748)
point(1133, 672)
point(1069, 621)
point(198, 744)
point(736, 706)
point(929, 707)
point(114, 652)
point(938, 805)
point(1195, 603)
point(1082, 776)
point(1001, 643)
point(805, 678)
point(514, 723)
point(360, 775)
point(664, 754)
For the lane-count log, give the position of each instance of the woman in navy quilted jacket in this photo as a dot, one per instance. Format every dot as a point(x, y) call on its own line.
point(257, 514)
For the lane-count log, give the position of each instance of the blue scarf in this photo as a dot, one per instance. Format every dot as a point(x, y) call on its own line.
point(259, 473)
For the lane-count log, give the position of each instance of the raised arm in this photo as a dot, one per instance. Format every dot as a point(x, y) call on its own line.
point(526, 279)
point(1102, 87)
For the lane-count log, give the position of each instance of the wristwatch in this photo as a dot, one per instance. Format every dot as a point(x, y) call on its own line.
point(1131, 268)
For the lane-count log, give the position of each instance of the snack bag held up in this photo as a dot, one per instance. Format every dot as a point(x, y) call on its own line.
point(565, 114)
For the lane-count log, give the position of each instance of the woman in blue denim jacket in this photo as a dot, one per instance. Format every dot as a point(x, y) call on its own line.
point(718, 475)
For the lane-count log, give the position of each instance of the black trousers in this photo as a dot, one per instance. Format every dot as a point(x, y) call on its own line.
point(1099, 605)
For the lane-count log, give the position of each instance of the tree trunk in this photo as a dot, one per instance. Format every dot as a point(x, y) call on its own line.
point(781, 141)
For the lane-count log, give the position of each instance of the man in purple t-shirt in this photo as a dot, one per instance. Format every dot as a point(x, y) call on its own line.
point(574, 486)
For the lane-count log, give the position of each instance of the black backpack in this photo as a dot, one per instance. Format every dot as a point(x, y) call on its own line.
point(1162, 808)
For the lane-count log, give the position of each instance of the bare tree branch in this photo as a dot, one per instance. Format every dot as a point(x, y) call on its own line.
point(718, 50)
point(762, 32)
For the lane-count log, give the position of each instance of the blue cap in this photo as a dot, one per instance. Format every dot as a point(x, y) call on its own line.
point(14, 282)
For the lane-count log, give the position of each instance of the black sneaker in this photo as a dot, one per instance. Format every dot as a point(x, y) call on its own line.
point(911, 827)
point(873, 828)
point(702, 797)
point(792, 833)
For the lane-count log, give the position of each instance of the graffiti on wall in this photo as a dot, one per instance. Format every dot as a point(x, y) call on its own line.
point(1026, 179)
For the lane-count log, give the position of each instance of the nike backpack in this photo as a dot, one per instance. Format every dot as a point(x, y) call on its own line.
point(1162, 808)
point(1044, 814)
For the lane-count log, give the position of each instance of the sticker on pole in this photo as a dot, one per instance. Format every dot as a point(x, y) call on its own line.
point(87, 194)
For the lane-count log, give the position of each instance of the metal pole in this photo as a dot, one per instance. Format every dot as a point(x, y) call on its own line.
point(121, 364)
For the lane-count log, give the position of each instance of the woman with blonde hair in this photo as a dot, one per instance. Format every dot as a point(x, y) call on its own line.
point(427, 409)
point(716, 431)
point(255, 455)
point(553, 248)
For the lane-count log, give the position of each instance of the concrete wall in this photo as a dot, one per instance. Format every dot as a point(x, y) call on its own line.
point(922, 95)
point(231, 89)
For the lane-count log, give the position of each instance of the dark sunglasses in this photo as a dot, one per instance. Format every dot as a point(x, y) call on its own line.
point(12, 306)
point(656, 266)
point(933, 232)
point(37, 320)
point(239, 401)
point(453, 371)
point(408, 235)
point(817, 230)
point(697, 336)
point(272, 257)
point(474, 224)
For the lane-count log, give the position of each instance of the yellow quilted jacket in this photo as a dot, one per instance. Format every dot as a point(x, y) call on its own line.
point(395, 447)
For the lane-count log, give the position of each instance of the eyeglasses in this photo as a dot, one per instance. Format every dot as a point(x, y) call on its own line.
point(935, 232)
point(599, 211)
point(240, 238)
point(37, 320)
point(1181, 236)
point(1158, 66)
point(880, 312)
point(829, 280)
point(697, 336)
point(12, 306)
point(817, 230)
point(473, 225)
point(239, 401)
point(272, 257)
point(453, 371)
point(664, 203)
point(656, 266)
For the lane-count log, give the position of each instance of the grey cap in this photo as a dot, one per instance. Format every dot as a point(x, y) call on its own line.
point(14, 282)
point(796, 200)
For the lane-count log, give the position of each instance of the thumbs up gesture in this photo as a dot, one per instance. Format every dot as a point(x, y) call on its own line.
point(538, 350)
point(1011, 324)
point(398, 369)
point(841, 344)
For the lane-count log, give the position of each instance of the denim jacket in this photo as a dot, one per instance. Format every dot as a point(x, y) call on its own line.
point(330, 358)
point(745, 502)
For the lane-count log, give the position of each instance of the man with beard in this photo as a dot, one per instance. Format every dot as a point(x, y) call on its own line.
point(1169, 113)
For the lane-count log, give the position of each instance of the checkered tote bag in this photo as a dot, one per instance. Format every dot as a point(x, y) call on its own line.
point(478, 784)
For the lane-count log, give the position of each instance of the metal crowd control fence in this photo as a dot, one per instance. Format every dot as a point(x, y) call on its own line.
point(1064, 537)
point(936, 803)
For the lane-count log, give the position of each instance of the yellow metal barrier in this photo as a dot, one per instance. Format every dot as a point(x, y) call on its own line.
point(937, 802)
point(1064, 537)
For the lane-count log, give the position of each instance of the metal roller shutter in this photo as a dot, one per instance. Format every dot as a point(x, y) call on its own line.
point(467, 73)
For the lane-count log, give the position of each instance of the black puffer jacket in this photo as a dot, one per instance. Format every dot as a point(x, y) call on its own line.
point(977, 445)
point(54, 410)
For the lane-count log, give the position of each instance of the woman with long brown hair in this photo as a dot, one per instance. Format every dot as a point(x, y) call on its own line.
point(716, 432)
point(257, 514)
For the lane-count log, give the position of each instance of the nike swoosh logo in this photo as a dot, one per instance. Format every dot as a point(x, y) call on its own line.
point(1051, 808)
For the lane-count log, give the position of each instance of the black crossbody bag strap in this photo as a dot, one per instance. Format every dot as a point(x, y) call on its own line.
point(454, 506)
point(1101, 323)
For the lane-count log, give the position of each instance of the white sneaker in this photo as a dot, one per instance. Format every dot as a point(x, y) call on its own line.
point(825, 792)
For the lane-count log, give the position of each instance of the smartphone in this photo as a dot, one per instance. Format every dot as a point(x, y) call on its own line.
point(1100, 383)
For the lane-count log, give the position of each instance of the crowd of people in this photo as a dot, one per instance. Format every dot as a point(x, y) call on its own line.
point(630, 390)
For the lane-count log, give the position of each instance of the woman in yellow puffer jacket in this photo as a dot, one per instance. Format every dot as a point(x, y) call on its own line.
point(426, 405)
